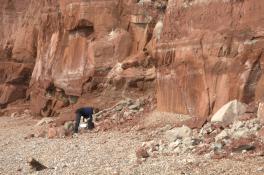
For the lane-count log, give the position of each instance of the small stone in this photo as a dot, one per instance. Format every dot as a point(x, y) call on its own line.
point(206, 129)
point(119, 108)
point(242, 133)
point(177, 150)
point(165, 128)
point(187, 141)
point(222, 135)
point(14, 115)
point(142, 153)
point(176, 133)
point(29, 136)
point(261, 169)
point(244, 151)
point(45, 120)
point(246, 117)
point(135, 106)
point(127, 114)
point(61, 133)
point(260, 133)
point(217, 146)
point(52, 133)
point(175, 144)
point(69, 126)
point(236, 125)
point(36, 165)
point(242, 147)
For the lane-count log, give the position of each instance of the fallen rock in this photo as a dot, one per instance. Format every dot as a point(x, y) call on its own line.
point(229, 112)
point(237, 125)
point(69, 126)
point(238, 145)
point(36, 165)
point(246, 116)
point(14, 115)
point(29, 136)
point(217, 146)
point(260, 133)
point(61, 132)
point(142, 153)
point(222, 135)
point(242, 148)
point(175, 144)
point(135, 106)
point(52, 133)
point(178, 133)
point(41, 131)
point(206, 129)
point(44, 121)
point(241, 133)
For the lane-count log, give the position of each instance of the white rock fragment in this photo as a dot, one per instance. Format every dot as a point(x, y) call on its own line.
point(176, 133)
point(228, 113)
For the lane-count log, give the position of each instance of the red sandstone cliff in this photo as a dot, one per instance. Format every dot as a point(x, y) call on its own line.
point(204, 52)
point(69, 51)
point(210, 53)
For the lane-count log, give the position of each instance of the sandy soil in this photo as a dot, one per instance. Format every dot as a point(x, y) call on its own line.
point(111, 152)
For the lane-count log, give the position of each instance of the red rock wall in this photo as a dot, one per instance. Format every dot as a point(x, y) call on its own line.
point(79, 43)
point(210, 52)
point(16, 51)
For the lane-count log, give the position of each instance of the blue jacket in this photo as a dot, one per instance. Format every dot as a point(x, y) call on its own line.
point(86, 112)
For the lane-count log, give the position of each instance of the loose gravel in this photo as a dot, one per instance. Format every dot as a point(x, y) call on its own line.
point(111, 152)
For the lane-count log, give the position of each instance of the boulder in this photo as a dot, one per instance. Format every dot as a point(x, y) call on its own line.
point(229, 112)
point(176, 133)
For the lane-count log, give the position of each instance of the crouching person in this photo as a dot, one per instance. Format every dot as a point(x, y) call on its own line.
point(86, 113)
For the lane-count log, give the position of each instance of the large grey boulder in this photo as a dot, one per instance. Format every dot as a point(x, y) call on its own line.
point(178, 133)
point(229, 112)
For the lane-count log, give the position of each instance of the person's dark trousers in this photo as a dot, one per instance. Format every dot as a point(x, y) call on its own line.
point(77, 121)
point(90, 124)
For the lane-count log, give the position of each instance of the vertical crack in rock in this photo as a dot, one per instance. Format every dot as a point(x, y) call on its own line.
point(252, 80)
point(205, 78)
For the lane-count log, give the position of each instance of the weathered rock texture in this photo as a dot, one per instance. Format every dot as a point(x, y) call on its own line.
point(61, 52)
point(210, 52)
point(17, 49)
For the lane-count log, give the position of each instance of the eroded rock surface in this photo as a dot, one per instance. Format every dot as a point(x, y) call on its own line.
point(210, 52)
point(60, 53)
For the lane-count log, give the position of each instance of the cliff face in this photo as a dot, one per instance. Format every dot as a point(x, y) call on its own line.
point(68, 50)
point(17, 51)
point(204, 53)
point(210, 52)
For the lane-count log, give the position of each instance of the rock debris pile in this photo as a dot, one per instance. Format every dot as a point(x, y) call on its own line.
point(230, 131)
